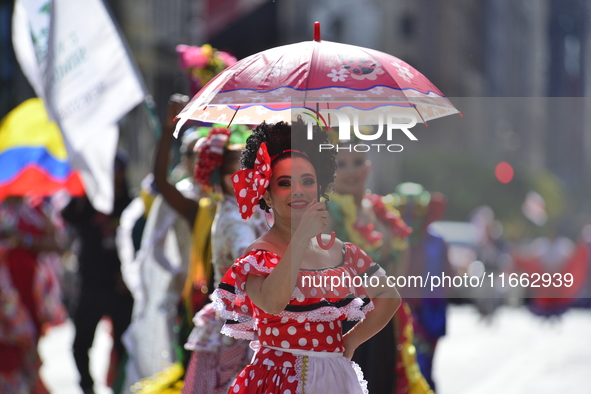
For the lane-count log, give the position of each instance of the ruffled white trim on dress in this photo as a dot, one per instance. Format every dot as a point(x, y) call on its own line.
point(206, 336)
point(368, 308)
point(352, 311)
point(218, 304)
point(251, 260)
point(245, 328)
point(355, 310)
point(360, 377)
point(310, 380)
point(299, 367)
point(380, 272)
point(238, 332)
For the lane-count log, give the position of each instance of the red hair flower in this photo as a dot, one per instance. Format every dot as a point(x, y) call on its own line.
point(211, 157)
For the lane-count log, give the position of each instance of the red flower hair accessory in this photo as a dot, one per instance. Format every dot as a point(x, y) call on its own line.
point(397, 225)
point(250, 184)
point(211, 157)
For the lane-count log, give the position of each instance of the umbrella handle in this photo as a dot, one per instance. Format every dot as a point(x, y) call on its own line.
point(329, 244)
point(332, 234)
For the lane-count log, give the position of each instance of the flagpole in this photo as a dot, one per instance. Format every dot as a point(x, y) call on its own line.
point(148, 103)
point(153, 118)
point(48, 77)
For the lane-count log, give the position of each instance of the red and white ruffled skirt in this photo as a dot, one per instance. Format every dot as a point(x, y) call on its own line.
point(275, 370)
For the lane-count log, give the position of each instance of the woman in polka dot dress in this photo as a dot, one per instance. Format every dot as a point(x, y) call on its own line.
point(288, 294)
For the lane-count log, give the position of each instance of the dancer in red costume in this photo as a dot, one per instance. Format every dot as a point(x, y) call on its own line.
point(216, 358)
point(276, 293)
point(29, 293)
point(371, 221)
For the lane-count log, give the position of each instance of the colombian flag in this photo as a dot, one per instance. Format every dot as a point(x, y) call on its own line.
point(33, 158)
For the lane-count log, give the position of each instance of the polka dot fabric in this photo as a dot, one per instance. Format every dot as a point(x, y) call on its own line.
point(310, 322)
point(314, 300)
point(271, 371)
point(250, 184)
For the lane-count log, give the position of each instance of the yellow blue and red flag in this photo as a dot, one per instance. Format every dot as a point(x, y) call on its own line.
point(33, 158)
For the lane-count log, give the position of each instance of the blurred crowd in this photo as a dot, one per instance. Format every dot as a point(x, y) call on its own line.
point(149, 266)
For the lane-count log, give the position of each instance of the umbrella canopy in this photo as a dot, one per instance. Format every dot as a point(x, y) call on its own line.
point(318, 74)
point(33, 158)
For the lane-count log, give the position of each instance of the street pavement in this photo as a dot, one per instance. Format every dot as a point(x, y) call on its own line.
point(515, 352)
point(59, 369)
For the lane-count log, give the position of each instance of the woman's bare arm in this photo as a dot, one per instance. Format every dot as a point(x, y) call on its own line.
point(272, 293)
point(386, 302)
point(185, 207)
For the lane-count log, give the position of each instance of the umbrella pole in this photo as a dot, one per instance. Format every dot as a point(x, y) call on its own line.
point(235, 112)
point(319, 236)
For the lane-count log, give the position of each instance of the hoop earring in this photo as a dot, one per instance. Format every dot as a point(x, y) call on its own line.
point(267, 218)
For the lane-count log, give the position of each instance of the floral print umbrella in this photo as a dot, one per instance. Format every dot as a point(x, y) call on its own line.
point(319, 75)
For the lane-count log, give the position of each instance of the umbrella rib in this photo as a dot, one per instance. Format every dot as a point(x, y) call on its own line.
point(233, 116)
point(403, 95)
point(314, 49)
point(418, 112)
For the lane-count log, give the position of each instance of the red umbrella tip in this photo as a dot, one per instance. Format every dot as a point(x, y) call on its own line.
point(317, 31)
point(461, 115)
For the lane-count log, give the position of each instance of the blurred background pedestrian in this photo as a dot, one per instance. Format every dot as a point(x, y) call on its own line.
point(102, 290)
point(29, 292)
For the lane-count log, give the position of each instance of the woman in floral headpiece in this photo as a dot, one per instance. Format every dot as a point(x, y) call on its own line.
point(191, 279)
point(217, 359)
point(283, 293)
point(202, 63)
point(371, 221)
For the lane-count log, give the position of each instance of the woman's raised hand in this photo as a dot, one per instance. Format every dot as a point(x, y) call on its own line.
point(314, 221)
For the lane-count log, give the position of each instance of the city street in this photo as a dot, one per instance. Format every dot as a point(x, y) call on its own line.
point(516, 353)
point(139, 148)
point(59, 370)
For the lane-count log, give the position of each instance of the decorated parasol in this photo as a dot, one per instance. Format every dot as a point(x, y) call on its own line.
point(321, 75)
point(370, 86)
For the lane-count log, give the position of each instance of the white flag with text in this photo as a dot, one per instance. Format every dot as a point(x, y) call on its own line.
point(73, 56)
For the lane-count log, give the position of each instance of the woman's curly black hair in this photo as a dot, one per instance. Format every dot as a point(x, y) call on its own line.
point(280, 137)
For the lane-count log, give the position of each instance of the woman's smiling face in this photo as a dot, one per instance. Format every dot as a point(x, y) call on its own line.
point(352, 171)
point(293, 187)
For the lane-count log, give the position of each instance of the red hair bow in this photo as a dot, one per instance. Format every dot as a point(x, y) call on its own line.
point(250, 184)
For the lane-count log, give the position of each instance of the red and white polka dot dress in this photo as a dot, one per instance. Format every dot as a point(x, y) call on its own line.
point(304, 342)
